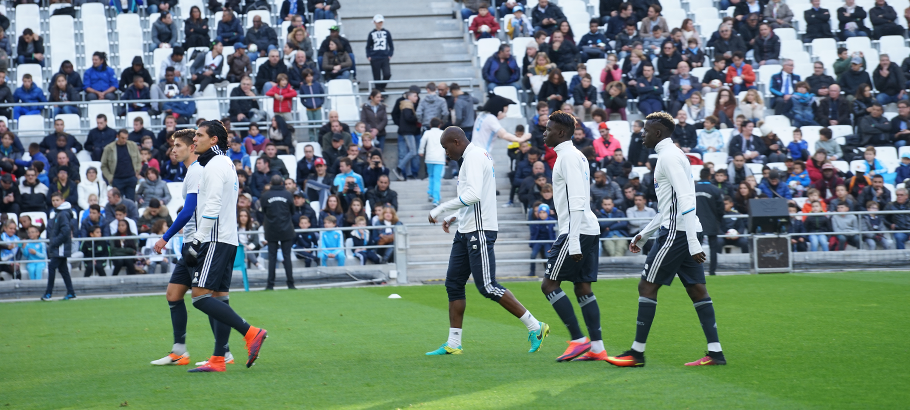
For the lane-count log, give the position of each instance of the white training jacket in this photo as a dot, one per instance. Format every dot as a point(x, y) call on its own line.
point(216, 202)
point(476, 202)
point(675, 196)
point(571, 195)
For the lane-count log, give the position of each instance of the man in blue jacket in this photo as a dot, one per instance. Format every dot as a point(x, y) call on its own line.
point(100, 80)
point(230, 30)
point(379, 51)
point(137, 91)
point(182, 107)
point(501, 69)
point(612, 229)
point(593, 44)
point(28, 93)
point(772, 188)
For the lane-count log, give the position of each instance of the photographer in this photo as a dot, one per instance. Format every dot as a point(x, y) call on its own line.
point(374, 171)
point(349, 192)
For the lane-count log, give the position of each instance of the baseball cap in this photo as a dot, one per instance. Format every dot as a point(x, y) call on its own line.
point(773, 174)
point(633, 175)
point(334, 28)
point(827, 166)
point(603, 126)
point(543, 208)
point(858, 167)
point(518, 8)
point(905, 155)
point(247, 196)
point(856, 60)
point(239, 45)
point(299, 193)
point(378, 18)
point(337, 137)
point(319, 161)
point(237, 140)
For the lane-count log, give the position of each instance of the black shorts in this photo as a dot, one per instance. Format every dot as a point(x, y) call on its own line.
point(216, 266)
point(562, 267)
point(670, 257)
point(183, 275)
point(472, 253)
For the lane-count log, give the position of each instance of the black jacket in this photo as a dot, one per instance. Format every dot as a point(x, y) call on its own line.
point(684, 135)
point(767, 49)
point(23, 45)
point(709, 206)
point(818, 23)
point(60, 233)
point(377, 197)
point(126, 77)
point(858, 17)
point(548, 88)
point(98, 139)
point(667, 63)
point(50, 142)
point(737, 141)
point(892, 84)
point(277, 207)
point(408, 123)
point(13, 189)
point(241, 106)
point(267, 73)
point(817, 82)
point(553, 11)
point(823, 112)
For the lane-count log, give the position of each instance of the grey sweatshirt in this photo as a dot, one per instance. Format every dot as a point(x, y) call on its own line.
point(844, 223)
point(633, 212)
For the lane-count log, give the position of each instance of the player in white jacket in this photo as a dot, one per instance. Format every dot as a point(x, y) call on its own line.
point(435, 158)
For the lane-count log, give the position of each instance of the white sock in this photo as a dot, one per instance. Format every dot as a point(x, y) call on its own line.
point(454, 337)
point(529, 321)
point(597, 346)
point(179, 349)
point(581, 340)
point(638, 347)
point(714, 347)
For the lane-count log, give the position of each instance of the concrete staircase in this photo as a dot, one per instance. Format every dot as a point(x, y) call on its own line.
point(429, 43)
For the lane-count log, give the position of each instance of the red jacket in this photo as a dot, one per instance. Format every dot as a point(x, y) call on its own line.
point(288, 93)
point(748, 75)
point(605, 150)
point(549, 157)
point(487, 20)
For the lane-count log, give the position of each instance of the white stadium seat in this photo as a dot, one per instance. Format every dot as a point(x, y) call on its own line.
point(31, 126)
point(158, 56)
point(27, 16)
point(842, 166)
point(146, 120)
point(101, 107)
point(62, 41)
point(290, 162)
point(785, 34)
point(346, 105)
point(186, 5)
point(129, 38)
point(486, 47)
point(95, 32)
point(321, 31)
point(71, 123)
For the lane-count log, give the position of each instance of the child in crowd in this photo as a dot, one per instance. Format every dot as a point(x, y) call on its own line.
point(903, 171)
point(844, 225)
point(284, 95)
point(361, 237)
point(798, 179)
point(798, 243)
point(331, 243)
point(826, 142)
point(653, 42)
point(9, 250)
point(541, 232)
point(254, 141)
point(873, 222)
point(97, 251)
point(387, 234)
point(802, 105)
point(873, 165)
point(812, 195)
point(817, 222)
point(305, 242)
point(36, 252)
point(709, 138)
point(359, 129)
point(435, 157)
point(156, 260)
point(799, 149)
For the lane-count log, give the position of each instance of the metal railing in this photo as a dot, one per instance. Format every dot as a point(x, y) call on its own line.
point(471, 81)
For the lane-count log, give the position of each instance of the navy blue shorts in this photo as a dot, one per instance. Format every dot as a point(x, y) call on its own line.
point(183, 275)
point(472, 254)
point(670, 257)
point(216, 266)
point(562, 267)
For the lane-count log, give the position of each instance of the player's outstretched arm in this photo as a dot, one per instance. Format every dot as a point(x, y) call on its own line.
point(189, 206)
point(503, 134)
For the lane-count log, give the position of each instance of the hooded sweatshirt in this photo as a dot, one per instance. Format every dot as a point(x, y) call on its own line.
point(432, 106)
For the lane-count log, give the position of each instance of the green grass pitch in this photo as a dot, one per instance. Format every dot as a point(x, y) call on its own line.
point(803, 341)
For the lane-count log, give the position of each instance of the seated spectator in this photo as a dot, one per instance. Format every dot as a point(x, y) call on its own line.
point(562, 52)
point(797, 148)
point(715, 78)
point(137, 91)
point(650, 91)
point(5, 51)
point(884, 22)
point(668, 61)
point(871, 165)
point(72, 76)
point(166, 88)
point(300, 38)
point(156, 211)
point(901, 221)
point(124, 247)
point(92, 221)
point(851, 80)
point(874, 129)
point(767, 46)
point(99, 137)
point(585, 98)
point(139, 132)
point(773, 187)
point(752, 106)
point(281, 135)
point(642, 214)
point(604, 188)
point(827, 185)
point(246, 110)
point(28, 93)
point(6, 96)
point(230, 29)
point(207, 67)
point(62, 92)
point(34, 194)
point(164, 32)
point(381, 194)
point(900, 124)
point(62, 161)
point(612, 229)
point(30, 48)
point(91, 185)
point(851, 21)
point(501, 69)
point(818, 22)
point(267, 73)
point(9, 191)
point(485, 24)
point(733, 227)
point(709, 138)
point(829, 144)
point(99, 79)
point(682, 86)
point(747, 144)
point(847, 227)
point(819, 81)
point(182, 107)
point(615, 99)
point(63, 184)
point(693, 53)
point(261, 177)
point(336, 62)
point(239, 64)
point(196, 29)
point(519, 24)
point(332, 209)
point(301, 63)
point(653, 20)
point(875, 193)
point(802, 101)
point(152, 188)
point(872, 223)
point(798, 178)
point(727, 43)
point(605, 145)
point(889, 81)
point(652, 42)
point(177, 64)
point(270, 153)
point(742, 76)
point(833, 109)
point(625, 41)
point(594, 44)
point(783, 85)
point(545, 16)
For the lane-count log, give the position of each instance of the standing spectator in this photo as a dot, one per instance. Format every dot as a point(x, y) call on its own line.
point(373, 115)
point(313, 104)
point(899, 222)
point(283, 96)
point(60, 237)
point(408, 129)
point(741, 75)
point(208, 67)
point(380, 49)
point(650, 91)
point(136, 68)
point(851, 19)
point(239, 64)
point(546, 16)
point(246, 110)
point(229, 28)
point(501, 69)
point(99, 137)
point(851, 80)
point(336, 62)
point(277, 208)
point(818, 22)
point(709, 206)
point(164, 32)
point(120, 163)
point(783, 85)
point(196, 29)
point(28, 93)
point(263, 36)
point(435, 157)
point(30, 48)
point(889, 81)
point(543, 233)
point(432, 106)
point(767, 46)
point(884, 21)
point(99, 79)
point(778, 14)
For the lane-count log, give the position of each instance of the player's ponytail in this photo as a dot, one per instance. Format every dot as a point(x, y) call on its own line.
point(216, 129)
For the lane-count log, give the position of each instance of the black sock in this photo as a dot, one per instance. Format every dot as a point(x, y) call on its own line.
point(646, 309)
point(565, 311)
point(221, 331)
point(178, 320)
point(591, 313)
point(221, 312)
point(705, 310)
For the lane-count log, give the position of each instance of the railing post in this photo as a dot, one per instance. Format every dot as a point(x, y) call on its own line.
point(401, 253)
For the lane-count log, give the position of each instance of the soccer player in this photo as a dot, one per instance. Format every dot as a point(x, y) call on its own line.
point(181, 279)
point(677, 251)
point(214, 245)
point(472, 248)
point(573, 257)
